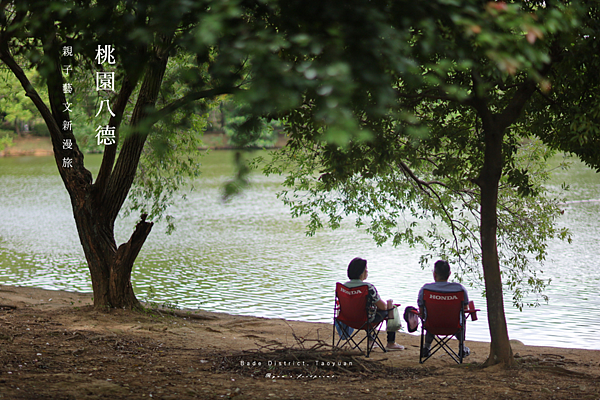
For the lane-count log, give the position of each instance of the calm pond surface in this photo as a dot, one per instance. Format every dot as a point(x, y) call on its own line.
point(249, 257)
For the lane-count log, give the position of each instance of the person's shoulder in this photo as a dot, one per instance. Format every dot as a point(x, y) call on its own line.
point(460, 285)
point(369, 284)
point(443, 286)
point(355, 283)
point(371, 287)
point(456, 286)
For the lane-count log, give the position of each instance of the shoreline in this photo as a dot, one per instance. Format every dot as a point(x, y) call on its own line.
point(54, 345)
point(32, 296)
point(515, 342)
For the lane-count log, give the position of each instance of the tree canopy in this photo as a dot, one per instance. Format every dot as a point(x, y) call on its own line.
point(567, 117)
point(452, 141)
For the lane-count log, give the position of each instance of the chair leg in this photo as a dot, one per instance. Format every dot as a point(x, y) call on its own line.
point(342, 337)
point(346, 338)
point(441, 342)
point(461, 344)
point(421, 360)
point(463, 336)
point(333, 335)
point(444, 343)
point(373, 338)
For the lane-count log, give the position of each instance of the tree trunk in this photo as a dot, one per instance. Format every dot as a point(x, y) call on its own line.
point(500, 349)
point(494, 128)
point(96, 209)
point(110, 268)
point(120, 289)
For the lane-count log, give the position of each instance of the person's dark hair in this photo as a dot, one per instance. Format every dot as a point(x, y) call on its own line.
point(442, 269)
point(356, 267)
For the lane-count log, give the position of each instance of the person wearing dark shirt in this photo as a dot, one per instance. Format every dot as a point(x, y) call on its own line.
point(441, 273)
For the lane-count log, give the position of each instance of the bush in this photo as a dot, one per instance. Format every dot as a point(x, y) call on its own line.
point(5, 140)
point(40, 130)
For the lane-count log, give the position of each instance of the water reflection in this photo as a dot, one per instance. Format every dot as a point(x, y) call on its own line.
point(248, 257)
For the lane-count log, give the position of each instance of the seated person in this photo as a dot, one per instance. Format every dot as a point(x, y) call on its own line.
point(357, 273)
point(441, 273)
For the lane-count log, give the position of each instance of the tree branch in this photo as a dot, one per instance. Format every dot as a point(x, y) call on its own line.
point(187, 99)
point(479, 100)
point(430, 191)
point(420, 182)
point(73, 177)
point(19, 16)
point(515, 106)
point(30, 92)
point(432, 94)
point(128, 252)
point(121, 179)
point(110, 152)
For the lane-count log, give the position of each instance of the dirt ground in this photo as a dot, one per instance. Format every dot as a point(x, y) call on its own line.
point(53, 345)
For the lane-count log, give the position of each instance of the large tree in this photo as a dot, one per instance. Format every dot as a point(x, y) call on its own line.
point(452, 144)
point(169, 57)
point(37, 32)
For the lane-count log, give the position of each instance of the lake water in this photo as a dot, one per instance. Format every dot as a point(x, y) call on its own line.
point(249, 257)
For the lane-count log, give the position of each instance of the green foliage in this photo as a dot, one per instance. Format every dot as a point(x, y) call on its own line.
point(387, 103)
point(201, 66)
point(14, 104)
point(5, 141)
point(567, 114)
point(240, 180)
point(409, 171)
point(432, 204)
point(40, 129)
point(171, 155)
point(246, 130)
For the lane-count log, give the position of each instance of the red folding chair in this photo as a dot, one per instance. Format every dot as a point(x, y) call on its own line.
point(352, 308)
point(444, 316)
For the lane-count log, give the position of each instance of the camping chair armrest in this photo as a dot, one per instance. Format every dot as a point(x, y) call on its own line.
point(472, 313)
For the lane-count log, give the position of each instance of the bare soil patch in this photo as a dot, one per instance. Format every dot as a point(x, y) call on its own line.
point(29, 146)
point(53, 345)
